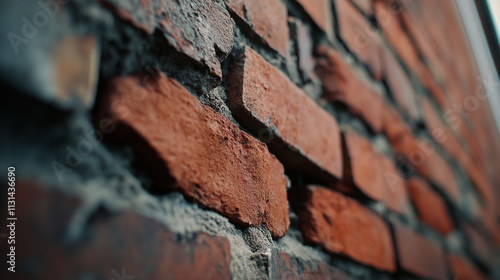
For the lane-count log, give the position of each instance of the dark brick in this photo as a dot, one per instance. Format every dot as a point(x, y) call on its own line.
point(284, 266)
point(112, 244)
point(187, 146)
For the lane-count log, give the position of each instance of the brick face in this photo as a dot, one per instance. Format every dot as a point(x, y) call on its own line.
point(419, 255)
point(430, 207)
point(319, 10)
point(304, 136)
point(200, 29)
point(360, 36)
point(213, 145)
point(340, 84)
point(266, 18)
point(341, 225)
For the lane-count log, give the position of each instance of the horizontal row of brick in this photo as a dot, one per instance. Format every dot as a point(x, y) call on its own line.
point(115, 245)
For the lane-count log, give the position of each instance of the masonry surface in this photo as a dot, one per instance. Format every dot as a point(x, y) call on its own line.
point(246, 139)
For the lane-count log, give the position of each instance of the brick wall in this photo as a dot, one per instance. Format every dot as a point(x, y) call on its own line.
point(246, 139)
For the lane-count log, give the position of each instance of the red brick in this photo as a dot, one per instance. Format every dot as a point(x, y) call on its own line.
point(320, 12)
point(364, 168)
point(431, 208)
point(267, 18)
point(400, 86)
point(285, 266)
point(304, 136)
point(341, 225)
point(461, 268)
point(419, 255)
point(340, 84)
point(125, 242)
point(191, 148)
point(360, 36)
point(365, 5)
point(388, 18)
point(374, 174)
point(200, 29)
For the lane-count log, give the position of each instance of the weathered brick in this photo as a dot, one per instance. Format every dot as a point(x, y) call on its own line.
point(340, 84)
point(431, 208)
point(461, 268)
point(202, 30)
point(419, 255)
point(400, 86)
point(267, 19)
point(320, 12)
point(360, 36)
point(190, 148)
point(341, 225)
point(284, 266)
point(303, 135)
point(111, 246)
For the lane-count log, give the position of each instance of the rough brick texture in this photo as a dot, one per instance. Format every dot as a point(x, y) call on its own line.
point(341, 225)
point(253, 194)
point(266, 18)
point(374, 174)
point(248, 139)
point(303, 135)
